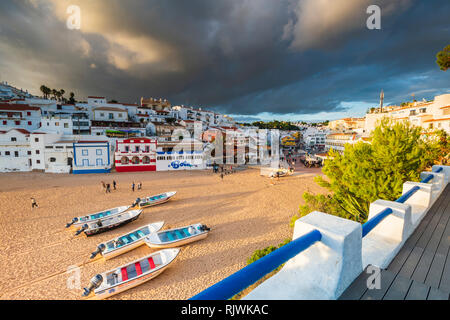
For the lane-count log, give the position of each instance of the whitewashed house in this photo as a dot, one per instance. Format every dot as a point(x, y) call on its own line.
point(15, 150)
point(19, 116)
point(91, 157)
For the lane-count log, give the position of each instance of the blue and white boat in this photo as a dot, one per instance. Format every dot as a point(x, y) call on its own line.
point(94, 217)
point(126, 242)
point(154, 200)
point(177, 237)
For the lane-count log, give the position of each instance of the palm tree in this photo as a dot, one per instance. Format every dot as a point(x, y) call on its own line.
point(54, 92)
point(62, 91)
point(72, 99)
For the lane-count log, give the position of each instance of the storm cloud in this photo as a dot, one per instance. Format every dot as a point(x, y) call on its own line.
point(242, 57)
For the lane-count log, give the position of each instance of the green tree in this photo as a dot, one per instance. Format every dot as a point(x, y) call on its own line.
point(443, 58)
point(72, 98)
point(365, 172)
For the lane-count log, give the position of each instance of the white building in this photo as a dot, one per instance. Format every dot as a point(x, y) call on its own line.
point(110, 114)
point(58, 156)
point(179, 161)
point(15, 150)
point(92, 157)
point(19, 116)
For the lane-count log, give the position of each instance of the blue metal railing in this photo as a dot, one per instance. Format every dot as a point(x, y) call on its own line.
point(247, 276)
point(372, 223)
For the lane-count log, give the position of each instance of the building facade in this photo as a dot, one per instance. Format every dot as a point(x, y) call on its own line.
point(91, 157)
point(134, 155)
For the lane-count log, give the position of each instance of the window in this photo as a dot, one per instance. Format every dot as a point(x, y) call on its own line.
point(38, 152)
point(36, 139)
point(29, 153)
point(17, 123)
point(98, 152)
point(84, 152)
point(48, 147)
point(120, 115)
point(99, 162)
point(29, 123)
point(38, 161)
point(7, 153)
point(66, 125)
point(5, 122)
point(56, 124)
point(111, 116)
point(124, 160)
point(16, 154)
point(102, 114)
point(137, 149)
point(13, 139)
point(52, 159)
point(28, 113)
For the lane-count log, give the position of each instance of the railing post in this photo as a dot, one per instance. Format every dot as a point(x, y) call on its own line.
point(445, 170)
point(324, 270)
point(438, 180)
point(420, 201)
point(385, 240)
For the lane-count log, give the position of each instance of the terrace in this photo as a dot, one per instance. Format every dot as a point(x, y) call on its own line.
point(406, 241)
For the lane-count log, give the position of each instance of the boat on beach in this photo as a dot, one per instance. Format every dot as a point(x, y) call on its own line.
point(178, 236)
point(154, 200)
point(94, 217)
point(130, 275)
point(110, 223)
point(126, 242)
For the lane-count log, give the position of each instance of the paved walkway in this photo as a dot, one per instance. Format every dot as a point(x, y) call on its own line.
point(421, 269)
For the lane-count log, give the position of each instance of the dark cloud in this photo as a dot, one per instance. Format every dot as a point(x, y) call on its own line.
point(236, 56)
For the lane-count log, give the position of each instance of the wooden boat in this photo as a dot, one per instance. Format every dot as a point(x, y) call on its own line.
point(154, 200)
point(130, 275)
point(109, 223)
point(177, 237)
point(126, 242)
point(94, 217)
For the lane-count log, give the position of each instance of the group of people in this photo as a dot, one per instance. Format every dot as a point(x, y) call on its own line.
point(139, 186)
point(107, 186)
point(223, 170)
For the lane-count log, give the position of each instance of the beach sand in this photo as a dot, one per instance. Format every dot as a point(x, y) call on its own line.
point(244, 211)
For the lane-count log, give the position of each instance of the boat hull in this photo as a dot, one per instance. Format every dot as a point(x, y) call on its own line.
point(118, 252)
point(125, 286)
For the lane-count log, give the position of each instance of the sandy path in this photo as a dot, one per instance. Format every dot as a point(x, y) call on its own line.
point(244, 212)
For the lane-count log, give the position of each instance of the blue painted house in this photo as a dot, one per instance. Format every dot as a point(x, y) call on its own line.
point(91, 157)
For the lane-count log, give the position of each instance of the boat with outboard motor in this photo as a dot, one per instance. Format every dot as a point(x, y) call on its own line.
point(110, 223)
point(178, 236)
point(126, 242)
point(94, 217)
point(154, 200)
point(130, 275)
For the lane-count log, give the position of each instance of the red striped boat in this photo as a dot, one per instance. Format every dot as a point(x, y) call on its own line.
point(128, 276)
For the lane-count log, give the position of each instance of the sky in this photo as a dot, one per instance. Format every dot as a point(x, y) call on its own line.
point(297, 60)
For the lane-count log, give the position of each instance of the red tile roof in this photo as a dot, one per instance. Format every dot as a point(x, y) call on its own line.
point(17, 107)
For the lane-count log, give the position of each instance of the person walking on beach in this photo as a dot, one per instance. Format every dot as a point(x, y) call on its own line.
point(139, 185)
point(132, 186)
point(103, 185)
point(108, 188)
point(221, 175)
point(34, 203)
point(114, 184)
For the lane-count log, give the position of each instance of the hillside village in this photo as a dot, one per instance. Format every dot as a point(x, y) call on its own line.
point(95, 136)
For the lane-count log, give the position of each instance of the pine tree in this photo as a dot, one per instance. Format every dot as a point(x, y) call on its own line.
point(365, 172)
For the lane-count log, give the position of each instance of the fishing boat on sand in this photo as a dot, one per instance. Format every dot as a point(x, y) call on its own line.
point(154, 200)
point(130, 275)
point(177, 237)
point(126, 242)
point(94, 217)
point(109, 223)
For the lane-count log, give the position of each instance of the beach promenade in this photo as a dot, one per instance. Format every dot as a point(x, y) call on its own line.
point(245, 213)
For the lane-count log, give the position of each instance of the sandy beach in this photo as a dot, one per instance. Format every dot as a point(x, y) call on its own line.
point(244, 211)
